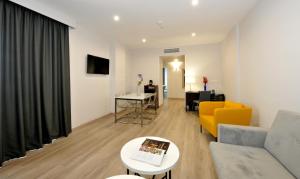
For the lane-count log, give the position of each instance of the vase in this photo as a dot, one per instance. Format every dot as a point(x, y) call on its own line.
point(138, 90)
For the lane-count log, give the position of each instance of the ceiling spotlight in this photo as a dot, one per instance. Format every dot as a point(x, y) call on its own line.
point(116, 18)
point(194, 34)
point(144, 40)
point(195, 2)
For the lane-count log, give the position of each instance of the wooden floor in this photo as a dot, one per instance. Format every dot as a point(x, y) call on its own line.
point(93, 150)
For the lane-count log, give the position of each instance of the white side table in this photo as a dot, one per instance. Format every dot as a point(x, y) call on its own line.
point(125, 177)
point(168, 163)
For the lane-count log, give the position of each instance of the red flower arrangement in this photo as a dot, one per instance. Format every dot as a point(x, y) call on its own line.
point(205, 80)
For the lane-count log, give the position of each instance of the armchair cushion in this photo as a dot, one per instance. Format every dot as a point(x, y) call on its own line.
point(233, 162)
point(242, 135)
point(283, 140)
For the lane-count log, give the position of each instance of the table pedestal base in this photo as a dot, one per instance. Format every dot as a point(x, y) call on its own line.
point(168, 175)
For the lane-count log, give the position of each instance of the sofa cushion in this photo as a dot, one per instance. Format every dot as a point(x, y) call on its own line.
point(229, 104)
point(236, 162)
point(283, 140)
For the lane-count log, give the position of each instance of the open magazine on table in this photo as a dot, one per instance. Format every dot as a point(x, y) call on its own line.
point(151, 152)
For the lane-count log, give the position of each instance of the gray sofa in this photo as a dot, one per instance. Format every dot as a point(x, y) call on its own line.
point(252, 152)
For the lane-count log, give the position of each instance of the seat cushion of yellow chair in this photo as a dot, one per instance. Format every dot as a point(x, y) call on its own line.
point(209, 123)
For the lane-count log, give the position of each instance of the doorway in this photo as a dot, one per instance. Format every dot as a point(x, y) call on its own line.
point(173, 76)
point(165, 82)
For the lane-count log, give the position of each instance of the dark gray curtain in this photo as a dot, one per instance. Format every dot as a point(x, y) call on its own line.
point(35, 80)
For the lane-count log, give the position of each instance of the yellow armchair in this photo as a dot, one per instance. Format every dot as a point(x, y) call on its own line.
point(213, 113)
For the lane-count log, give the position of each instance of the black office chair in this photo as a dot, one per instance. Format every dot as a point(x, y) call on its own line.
point(203, 96)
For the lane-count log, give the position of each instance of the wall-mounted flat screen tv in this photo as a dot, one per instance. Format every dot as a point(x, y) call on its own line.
point(97, 65)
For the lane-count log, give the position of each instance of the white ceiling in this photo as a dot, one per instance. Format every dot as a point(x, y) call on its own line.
point(211, 19)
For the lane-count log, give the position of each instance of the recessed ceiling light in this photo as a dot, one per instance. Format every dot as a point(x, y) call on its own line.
point(116, 18)
point(144, 40)
point(194, 34)
point(195, 2)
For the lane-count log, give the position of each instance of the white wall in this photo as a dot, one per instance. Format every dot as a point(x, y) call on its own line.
point(90, 94)
point(146, 62)
point(119, 72)
point(175, 89)
point(269, 59)
point(120, 69)
point(231, 65)
point(204, 60)
point(199, 60)
point(175, 83)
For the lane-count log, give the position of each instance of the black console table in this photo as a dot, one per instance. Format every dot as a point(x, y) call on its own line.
point(190, 96)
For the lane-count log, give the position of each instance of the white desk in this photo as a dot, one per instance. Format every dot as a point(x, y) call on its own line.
point(169, 162)
point(133, 97)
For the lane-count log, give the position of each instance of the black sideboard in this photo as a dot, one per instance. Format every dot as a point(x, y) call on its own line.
point(190, 96)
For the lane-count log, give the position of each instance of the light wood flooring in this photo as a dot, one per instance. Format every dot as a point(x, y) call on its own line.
point(93, 150)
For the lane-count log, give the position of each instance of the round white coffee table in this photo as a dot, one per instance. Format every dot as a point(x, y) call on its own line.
point(125, 177)
point(169, 161)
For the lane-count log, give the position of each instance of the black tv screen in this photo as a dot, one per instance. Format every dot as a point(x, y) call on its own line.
point(97, 65)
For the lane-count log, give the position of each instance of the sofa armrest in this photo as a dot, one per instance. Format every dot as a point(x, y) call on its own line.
point(208, 107)
point(242, 135)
